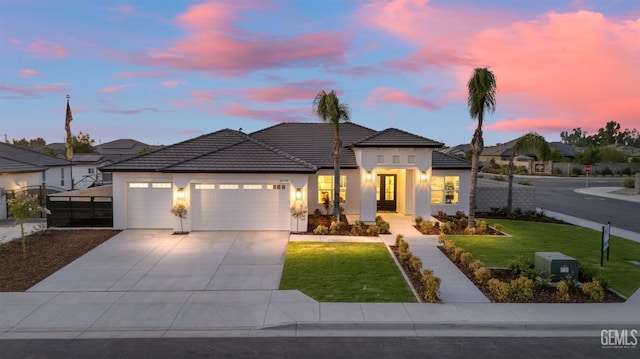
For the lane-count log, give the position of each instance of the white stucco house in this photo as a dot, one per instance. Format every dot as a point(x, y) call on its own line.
point(230, 180)
point(53, 171)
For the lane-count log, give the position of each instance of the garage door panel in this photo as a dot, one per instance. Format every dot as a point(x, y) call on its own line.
point(241, 209)
point(149, 207)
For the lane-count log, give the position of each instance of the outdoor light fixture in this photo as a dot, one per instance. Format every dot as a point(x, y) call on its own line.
point(369, 176)
point(423, 176)
point(298, 193)
point(181, 193)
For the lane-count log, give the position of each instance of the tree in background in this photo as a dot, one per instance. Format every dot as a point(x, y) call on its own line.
point(22, 207)
point(327, 106)
point(610, 134)
point(482, 97)
point(529, 142)
point(83, 143)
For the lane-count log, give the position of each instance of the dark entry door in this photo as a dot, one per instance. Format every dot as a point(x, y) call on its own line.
point(386, 192)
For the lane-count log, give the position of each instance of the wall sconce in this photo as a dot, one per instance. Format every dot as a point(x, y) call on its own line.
point(180, 194)
point(298, 193)
point(369, 176)
point(423, 176)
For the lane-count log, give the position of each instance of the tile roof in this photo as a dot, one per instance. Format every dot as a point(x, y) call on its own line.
point(31, 157)
point(441, 161)
point(123, 146)
point(8, 165)
point(392, 137)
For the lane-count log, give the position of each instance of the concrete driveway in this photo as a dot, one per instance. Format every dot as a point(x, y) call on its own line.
point(156, 260)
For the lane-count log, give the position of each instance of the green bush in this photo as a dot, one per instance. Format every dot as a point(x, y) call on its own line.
point(475, 265)
point(481, 227)
point(415, 264)
point(419, 221)
point(465, 258)
point(499, 288)
point(520, 264)
point(455, 256)
point(426, 227)
point(606, 171)
point(431, 285)
point(469, 231)
point(334, 227)
point(321, 230)
point(594, 290)
point(629, 182)
point(402, 246)
point(449, 246)
point(557, 171)
point(373, 230)
point(576, 171)
point(482, 275)
point(405, 256)
point(522, 287)
point(399, 239)
point(359, 228)
point(563, 290)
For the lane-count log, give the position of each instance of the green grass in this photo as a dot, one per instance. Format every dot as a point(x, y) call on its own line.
point(344, 272)
point(580, 243)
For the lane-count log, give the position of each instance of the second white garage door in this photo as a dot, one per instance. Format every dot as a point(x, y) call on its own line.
point(149, 205)
point(240, 206)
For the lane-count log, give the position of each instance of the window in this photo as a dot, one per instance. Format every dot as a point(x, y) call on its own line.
point(62, 176)
point(325, 185)
point(396, 159)
point(229, 186)
point(161, 185)
point(205, 186)
point(91, 170)
point(252, 186)
point(380, 158)
point(276, 186)
point(138, 185)
point(44, 176)
point(444, 189)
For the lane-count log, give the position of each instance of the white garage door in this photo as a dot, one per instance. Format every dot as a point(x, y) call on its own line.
point(149, 205)
point(240, 206)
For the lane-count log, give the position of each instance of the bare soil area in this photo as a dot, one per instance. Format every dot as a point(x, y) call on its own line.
point(47, 252)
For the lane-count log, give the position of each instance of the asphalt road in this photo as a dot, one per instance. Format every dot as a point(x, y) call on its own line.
point(318, 347)
point(557, 194)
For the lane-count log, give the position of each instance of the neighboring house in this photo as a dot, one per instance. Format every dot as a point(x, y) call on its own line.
point(231, 180)
point(57, 171)
point(460, 151)
point(15, 175)
point(86, 171)
point(500, 155)
point(122, 149)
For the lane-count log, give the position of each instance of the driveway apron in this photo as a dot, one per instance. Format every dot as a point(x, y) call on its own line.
point(156, 260)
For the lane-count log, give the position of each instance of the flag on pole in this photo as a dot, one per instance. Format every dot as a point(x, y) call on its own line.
point(67, 127)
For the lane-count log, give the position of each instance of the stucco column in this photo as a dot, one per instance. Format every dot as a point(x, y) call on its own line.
point(423, 195)
point(368, 204)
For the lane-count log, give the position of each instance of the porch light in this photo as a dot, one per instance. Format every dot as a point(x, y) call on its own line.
point(298, 193)
point(181, 194)
point(423, 176)
point(369, 176)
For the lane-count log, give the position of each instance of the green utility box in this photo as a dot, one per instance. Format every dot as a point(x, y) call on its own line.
point(556, 266)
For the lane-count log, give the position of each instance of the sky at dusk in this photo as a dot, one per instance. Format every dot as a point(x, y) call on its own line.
point(165, 71)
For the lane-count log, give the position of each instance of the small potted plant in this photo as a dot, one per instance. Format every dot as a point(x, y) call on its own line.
point(180, 210)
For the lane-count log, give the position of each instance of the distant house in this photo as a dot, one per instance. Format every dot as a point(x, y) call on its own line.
point(500, 155)
point(15, 174)
point(230, 180)
point(57, 171)
point(122, 149)
point(459, 151)
point(86, 171)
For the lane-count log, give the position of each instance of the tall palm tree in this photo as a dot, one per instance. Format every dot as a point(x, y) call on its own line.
point(528, 142)
point(482, 96)
point(328, 107)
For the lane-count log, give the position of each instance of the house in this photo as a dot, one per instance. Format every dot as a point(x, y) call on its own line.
point(500, 155)
point(123, 148)
point(15, 174)
point(230, 180)
point(57, 171)
point(461, 151)
point(86, 171)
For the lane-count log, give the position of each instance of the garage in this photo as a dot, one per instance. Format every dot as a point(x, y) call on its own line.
point(235, 206)
point(149, 205)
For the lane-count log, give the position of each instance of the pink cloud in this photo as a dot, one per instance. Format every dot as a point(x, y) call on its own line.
point(273, 116)
point(213, 43)
point(124, 9)
point(116, 88)
point(28, 73)
point(391, 95)
point(197, 97)
point(171, 83)
point(579, 66)
point(542, 125)
point(304, 90)
point(47, 49)
point(20, 92)
point(135, 74)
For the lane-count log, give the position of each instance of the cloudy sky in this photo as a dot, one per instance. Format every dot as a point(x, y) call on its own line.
point(166, 71)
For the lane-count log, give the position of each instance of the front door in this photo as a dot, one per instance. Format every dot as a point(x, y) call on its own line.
point(386, 193)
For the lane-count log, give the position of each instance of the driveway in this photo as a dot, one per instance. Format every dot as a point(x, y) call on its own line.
point(156, 260)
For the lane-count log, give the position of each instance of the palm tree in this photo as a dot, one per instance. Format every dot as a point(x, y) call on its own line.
point(482, 96)
point(528, 142)
point(328, 107)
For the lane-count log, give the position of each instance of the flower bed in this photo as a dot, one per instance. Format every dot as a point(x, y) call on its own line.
point(322, 224)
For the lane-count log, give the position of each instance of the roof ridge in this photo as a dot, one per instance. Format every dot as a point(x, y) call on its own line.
point(281, 152)
point(23, 162)
point(30, 150)
point(208, 152)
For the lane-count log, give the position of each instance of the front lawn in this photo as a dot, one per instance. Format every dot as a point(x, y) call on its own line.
point(344, 272)
point(580, 243)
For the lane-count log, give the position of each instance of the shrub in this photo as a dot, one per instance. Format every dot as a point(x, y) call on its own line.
point(576, 171)
point(373, 230)
point(518, 265)
point(441, 238)
point(594, 290)
point(405, 256)
point(465, 258)
point(572, 282)
point(607, 171)
point(415, 264)
point(419, 221)
point(499, 178)
point(455, 256)
point(475, 265)
point(321, 230)
point(334, 227)
point(385, 228)
point(499, 288)
point(557, 171)
point(469, 231)
point(563, 290)
point(446, 227)
point(317, 213)
point(402, 246)
point(358, 228)
point(482, 275)
point(399, 239)
point(481, 227)
point(431, 285)
point(626, 171)
point(629, 182)
point(522, 287)
point(426, 227)
point(449, 246)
